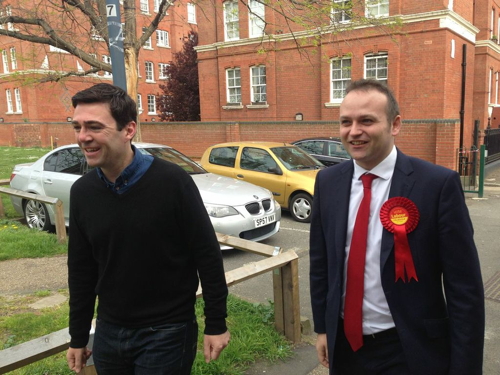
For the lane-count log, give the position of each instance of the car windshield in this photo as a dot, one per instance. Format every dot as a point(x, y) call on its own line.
point(294, 158)
point(175, 157)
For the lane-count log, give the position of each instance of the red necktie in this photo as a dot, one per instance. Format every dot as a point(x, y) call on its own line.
point(353, 313)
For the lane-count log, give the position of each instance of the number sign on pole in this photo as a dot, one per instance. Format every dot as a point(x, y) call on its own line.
point(115, 32)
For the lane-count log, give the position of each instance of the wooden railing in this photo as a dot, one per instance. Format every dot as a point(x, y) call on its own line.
point(284, 266)
point(57, 203)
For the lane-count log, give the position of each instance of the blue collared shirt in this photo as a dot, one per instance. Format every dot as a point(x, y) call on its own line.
point(130, 175)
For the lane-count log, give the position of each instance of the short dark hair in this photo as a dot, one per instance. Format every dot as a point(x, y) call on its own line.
point(123, 108)
point(392, 109)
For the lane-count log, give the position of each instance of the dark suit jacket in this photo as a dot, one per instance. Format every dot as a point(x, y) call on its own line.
point(440, 318)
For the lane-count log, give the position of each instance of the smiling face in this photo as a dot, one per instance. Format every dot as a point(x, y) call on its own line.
point(366, 132)
point(102, 143)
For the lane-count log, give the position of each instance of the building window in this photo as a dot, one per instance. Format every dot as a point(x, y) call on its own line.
point(8, 95)
point(8, 13)
point(341, 77)
point(144, 6)
point(107, 59)
point(377, 8)
point(13, 59)
point(341, 11)
point(151, 105)
point(233, 85)
point(191, 10)
point(231, 20)
point(257, 16)
point(490, 81)
point(57, 50)
point(162, 38)
point(17, 94)
point(258, 78)
point(95, 35)
point(139, 103)
point(162, 68)
point(376, 67)
point(150, 77)
point(5, 61)
point(148, 44)
point(156, 5)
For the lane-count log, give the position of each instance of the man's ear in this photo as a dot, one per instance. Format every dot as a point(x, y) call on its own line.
point(131, 129)
point(396, 125)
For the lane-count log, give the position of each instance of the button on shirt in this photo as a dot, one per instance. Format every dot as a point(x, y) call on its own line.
point(130, 175)
point(376, 314)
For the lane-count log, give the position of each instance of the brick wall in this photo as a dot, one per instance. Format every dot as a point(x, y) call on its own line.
point(432, 140)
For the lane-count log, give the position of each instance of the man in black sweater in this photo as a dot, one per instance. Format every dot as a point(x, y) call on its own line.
point(140, 241)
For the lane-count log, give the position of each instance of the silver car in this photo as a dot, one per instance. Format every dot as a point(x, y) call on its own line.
point(236, 208)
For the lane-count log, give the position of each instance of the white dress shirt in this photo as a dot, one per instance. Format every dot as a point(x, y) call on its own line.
point(376, 314)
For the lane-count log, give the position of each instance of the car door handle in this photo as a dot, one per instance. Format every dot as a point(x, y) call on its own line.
point(47, 182)
point(240, 176)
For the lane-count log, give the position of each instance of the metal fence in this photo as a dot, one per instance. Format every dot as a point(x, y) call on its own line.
point(471, 169)
point(492, 143)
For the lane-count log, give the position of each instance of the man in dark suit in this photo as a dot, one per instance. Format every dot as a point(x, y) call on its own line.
point(421, 298)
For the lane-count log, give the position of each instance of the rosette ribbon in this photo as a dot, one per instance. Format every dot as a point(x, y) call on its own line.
point(400, 216)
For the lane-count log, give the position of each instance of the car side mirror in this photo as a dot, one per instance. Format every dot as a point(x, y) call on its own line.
point(275, 170)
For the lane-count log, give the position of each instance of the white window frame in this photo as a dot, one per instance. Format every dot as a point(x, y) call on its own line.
point(377, 8)
point(57, 50)
point(340, 77)
point(148, 44)
point(151, 104)
point(150, 71)
point(13, 58)
point(340, 15)
point(139, 103)
point(8, 96)
point(17, 96)
point(191, 13)
point(162, 38)
point(144, 6)
point(107, 59)
point(156, 5)
point(256, 21)
point(231, 20)
point(233, 84)
point(8, 12)
point(380, 67)
point(5, 61)
point(161, 71)
point(258, 82)
point(490, 84)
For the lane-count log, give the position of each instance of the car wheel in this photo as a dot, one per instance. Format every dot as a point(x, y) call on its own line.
point(36, 215)
point(300, 207)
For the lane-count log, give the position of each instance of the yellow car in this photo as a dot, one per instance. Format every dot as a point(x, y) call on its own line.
point(286, 170)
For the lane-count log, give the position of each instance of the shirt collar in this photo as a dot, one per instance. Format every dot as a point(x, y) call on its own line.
point(383, 170)
point(127, 173)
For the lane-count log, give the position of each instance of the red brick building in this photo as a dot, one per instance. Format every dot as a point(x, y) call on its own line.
point(22, 100)
point(251, 69)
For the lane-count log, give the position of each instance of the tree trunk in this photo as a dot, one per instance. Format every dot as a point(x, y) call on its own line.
point(132, 81)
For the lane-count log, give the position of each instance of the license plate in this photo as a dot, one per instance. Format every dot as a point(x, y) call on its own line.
point(265, 220)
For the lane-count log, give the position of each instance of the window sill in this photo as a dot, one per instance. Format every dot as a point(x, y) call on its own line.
point(257, 106)
point(332, 105)
point(148, 48)
point(162, 46)
point(150, 81)
point(229, 106)
point(152, 114)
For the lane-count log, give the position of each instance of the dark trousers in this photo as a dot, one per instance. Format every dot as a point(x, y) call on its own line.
point(168, 349)
point(381, 354)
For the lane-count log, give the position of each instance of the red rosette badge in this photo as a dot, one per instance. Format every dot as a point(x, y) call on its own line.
point(400, 216)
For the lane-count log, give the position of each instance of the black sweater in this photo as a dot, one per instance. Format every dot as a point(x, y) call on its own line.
point(141, 253)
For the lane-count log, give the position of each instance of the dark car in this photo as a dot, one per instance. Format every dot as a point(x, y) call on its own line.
point(328, 150)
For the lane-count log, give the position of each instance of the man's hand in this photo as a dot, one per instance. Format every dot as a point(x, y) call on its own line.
point(322, 349)
point(77, 358)
point(214, 344)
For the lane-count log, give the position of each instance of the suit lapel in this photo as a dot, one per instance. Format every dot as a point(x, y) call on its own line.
point(342, 197)
point(401, 186)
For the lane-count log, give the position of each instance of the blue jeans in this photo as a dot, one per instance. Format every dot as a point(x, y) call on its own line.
point(168, 349)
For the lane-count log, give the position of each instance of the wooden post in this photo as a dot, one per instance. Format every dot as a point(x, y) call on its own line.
point(2, 210)
point(291, 303)
point(279, 314)
point(60, 224)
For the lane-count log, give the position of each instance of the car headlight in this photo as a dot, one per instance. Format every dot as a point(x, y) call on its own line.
point(215, 210)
